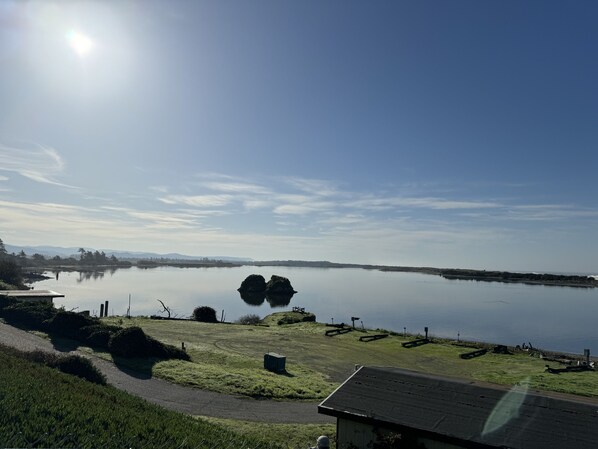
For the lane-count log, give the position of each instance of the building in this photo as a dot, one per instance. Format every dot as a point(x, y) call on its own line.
point(31, 295)
point(434, 412)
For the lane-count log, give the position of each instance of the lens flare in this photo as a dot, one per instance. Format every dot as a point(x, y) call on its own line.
point(79, 42)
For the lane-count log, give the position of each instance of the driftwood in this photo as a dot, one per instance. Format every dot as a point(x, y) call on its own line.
point(569, 369)
point(340, 331)
point(367, 338)
point(416, 343)
point(501, 349)
point(473, 354)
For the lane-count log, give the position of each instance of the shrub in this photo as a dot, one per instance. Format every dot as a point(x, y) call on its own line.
point(159, 349)
point(132, 342)
point(86, 331)
point(293, 317)
point(205, 314)
point(32, 314)
point(69, 324)
point(10, 273)
point(5, 302)
point(69, 364)
point(250, 319)
point(81, 367)
point(129, 342)
point(99, 338)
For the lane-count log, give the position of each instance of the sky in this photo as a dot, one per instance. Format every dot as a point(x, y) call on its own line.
point(420, 133)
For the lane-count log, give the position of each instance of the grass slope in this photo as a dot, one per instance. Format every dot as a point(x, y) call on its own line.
point(41, 407)
point(229, 358)
point(289, 435)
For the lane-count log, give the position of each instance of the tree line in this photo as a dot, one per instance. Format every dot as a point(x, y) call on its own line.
point(12, 264)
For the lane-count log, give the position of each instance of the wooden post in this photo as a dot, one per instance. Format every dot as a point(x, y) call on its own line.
point(106, 309)
point(101, 310)
point(426, 331)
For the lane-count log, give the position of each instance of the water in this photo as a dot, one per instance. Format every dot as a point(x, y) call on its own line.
point(555, 318)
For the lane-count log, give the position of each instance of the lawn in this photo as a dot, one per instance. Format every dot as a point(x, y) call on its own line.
point(287, 435)
point(229, 358)
point(42, 407)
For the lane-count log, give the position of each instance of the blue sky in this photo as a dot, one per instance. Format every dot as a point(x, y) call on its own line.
point(453, 134)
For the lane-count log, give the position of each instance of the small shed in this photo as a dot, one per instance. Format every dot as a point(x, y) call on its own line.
point(275, 362)
point(31, 295)
point(435, 412)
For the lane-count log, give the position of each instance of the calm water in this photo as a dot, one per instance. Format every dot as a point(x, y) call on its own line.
point(557, 318)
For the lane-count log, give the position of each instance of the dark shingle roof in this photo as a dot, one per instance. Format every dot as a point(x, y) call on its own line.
point(454, 409)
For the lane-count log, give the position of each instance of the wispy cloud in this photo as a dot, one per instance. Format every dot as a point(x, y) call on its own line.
point(549, 212)
point(316, 187)
point(198, 200)
point(381, 203)
point(36, 162)
point(237, 187)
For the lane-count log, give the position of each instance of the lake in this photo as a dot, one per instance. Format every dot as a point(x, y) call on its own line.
point(555, 318)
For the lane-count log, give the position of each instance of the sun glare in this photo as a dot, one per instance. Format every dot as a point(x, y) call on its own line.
point(79, 42)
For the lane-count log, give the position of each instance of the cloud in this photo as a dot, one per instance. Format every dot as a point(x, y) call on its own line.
point(316, 187)
point(36, 162)
point(3, 178)
point(237, 187)
point(198, 200)
point(381, 203)
point(549, 212)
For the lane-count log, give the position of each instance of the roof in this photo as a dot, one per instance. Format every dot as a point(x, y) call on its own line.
point(31, 294)
point(459, 410)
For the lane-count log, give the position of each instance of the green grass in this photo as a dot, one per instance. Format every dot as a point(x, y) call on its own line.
point(287, 435)
point(41, 407)
point(229, 358)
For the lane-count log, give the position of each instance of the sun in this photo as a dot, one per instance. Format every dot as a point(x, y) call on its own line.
point(79, 43)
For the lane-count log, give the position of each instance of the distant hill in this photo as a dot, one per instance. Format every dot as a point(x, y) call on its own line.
point(51, 251)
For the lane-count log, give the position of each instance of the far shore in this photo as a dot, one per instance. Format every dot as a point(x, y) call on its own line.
point(545, 279)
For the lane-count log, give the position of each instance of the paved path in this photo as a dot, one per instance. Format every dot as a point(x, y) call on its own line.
point(176, 397)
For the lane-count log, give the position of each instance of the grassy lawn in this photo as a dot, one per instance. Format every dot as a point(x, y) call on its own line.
point(286, 435)
point(229, 358)
point(42, 407)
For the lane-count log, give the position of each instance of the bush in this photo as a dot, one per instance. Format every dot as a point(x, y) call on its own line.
point(294, 317)
point(205, 314)
point(250, 319)
point(99, 338)
point(69, 324)
point(80, 367)
point(69, 364)
point(129, 342)
point(31, 314)
point(159, 349)
point(132, 342)
point(5, 302)
point(10, 273)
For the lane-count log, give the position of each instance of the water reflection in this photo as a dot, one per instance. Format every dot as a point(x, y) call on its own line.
point(253, 299)
point(257, 299)
point(281, 300)
point(87, 275)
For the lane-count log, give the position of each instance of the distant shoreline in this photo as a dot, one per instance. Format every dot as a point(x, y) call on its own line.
point(545, 279)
